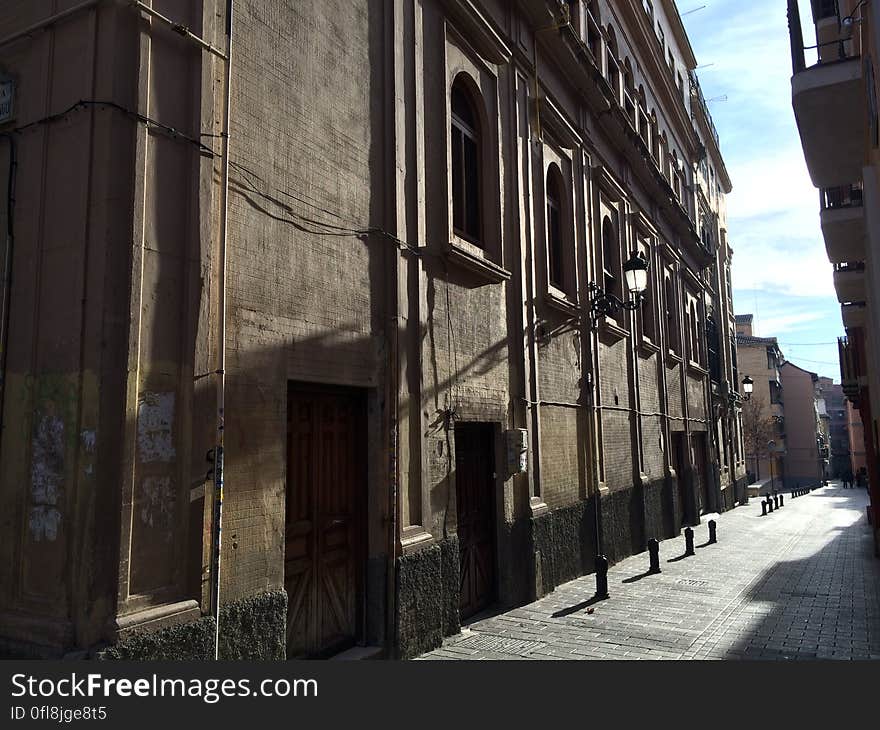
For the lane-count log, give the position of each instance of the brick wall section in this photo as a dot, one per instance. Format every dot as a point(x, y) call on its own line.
point(302, 305)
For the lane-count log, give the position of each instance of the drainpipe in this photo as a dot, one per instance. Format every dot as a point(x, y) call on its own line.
point(7, 266)
point(217, 520)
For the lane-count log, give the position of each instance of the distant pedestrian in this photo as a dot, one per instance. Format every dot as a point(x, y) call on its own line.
point(848, 479)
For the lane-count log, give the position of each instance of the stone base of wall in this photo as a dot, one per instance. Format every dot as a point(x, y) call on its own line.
point(565, 544)
point(427, 597)
point(741, 490)
point(623, 523)
point(254, 628)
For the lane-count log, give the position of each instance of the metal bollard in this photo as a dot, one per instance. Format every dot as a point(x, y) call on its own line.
point(782, 500)
point(763, 508)
point(776, 501)
point(654, 556)
point(713, 535)
point(688, 541)
point(601, 577)
point(769, 504)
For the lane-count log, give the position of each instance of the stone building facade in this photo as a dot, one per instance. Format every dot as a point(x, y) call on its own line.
point(761, 359)
point(804, 461)
point(421, 417)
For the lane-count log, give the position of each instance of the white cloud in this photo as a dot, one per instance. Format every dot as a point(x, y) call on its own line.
point(777, 326)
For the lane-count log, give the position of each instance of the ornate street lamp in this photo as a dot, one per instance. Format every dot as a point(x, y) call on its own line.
point(635, 274)
point(748, 386)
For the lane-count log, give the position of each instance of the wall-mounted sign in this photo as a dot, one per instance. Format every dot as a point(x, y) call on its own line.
point(7, 97)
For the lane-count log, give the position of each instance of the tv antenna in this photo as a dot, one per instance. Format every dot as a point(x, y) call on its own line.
point(688, 12)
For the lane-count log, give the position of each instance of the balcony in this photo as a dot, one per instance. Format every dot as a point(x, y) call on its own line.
point(849, 282)
point(829, 107)
point(849, 373)
point(853, 315)
point(843, 223)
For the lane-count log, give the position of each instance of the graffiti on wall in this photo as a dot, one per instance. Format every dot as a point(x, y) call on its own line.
point(47, 476)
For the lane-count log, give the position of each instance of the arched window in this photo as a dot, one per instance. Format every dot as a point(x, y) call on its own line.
point(555, 246)
point(610, 258)
point(466, 165)
point(696, 339)
point(644, 133)
point(662, 160)
point(670, 313)
point(648, 311)
point(655, 136)
point(629, 91)
point(612, 65)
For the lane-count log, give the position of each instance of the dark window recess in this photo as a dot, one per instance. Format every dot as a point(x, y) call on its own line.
point(554, 232)
point(671, 322)
point(466, 214)
point(873, 126)
point(713, 343)
point(775, 392)
point(824, 9)
point(609, 258)
point(735, 361)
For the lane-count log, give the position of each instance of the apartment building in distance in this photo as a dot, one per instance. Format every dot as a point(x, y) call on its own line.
point(836, 405)
point(805, 445)
point(834, 95)
point(760, 359)
point(401, 315)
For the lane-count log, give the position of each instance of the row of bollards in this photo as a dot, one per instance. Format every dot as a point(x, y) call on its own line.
point(799, 491)
point(653, 558)
point(772, 503)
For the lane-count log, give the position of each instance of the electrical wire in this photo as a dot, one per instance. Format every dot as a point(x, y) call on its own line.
point(333, 229)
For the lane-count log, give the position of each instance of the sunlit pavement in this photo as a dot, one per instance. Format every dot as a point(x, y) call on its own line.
point(800, 583)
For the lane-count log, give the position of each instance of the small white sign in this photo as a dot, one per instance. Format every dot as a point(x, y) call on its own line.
point(7, 95)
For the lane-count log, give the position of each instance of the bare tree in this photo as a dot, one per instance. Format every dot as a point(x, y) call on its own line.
point(759, 429)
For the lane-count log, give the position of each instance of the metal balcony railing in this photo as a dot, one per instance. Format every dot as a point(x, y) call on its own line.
point(849, 365)
point(845, 48)
point(698, 98)
point(848, 196)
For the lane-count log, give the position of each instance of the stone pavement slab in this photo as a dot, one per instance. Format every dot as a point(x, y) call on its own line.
point(800, 583)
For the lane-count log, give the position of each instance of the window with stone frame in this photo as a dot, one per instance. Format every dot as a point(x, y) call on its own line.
point(558, 273)
point(648, 311)
point(466, 173)
point(611, 273)
point(670, 312)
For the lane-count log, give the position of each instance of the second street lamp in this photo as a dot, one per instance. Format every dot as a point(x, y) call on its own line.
point(748, 386)
point(635, 274)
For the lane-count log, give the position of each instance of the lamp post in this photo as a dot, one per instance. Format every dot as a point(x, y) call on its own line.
point(635, 274)
point(748, 386)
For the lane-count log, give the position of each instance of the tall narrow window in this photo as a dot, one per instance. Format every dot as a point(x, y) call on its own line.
point(610, 264)
point(671, 319)
point(466, 173)
point(554, 229)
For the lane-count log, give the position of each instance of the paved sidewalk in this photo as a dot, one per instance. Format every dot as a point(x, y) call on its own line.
point(801, 583)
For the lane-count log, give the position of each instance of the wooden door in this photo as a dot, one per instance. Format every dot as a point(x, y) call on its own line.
point(475, 505)
point(701, 479)
point(324, 520)
point(680, 464)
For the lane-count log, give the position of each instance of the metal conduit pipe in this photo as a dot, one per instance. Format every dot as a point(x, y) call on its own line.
point(217, 520)
point(46, 22)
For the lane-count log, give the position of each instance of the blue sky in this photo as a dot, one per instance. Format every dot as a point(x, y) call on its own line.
point(780, 273)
